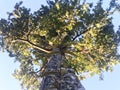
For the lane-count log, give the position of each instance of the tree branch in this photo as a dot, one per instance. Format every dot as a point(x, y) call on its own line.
point(32, 45)
point(81, 32)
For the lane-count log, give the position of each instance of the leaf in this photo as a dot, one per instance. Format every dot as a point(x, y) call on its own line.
point(57, 5)
point(50, 43)
point(43, 33)
point(67, 14)
point(70, 27)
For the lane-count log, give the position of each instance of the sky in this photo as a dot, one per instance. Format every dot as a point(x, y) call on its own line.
point(7, 66)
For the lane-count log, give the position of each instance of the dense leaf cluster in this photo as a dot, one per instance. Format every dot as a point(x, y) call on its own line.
point(82, 33)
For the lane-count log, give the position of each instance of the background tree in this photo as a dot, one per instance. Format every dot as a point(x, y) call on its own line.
point(81, 33)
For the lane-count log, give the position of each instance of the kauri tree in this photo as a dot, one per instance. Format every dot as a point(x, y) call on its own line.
point(61, 43)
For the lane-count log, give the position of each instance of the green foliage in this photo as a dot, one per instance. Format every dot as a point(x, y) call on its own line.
point(83, 33)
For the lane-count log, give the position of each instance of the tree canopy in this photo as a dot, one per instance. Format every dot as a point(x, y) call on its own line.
point(82, 32)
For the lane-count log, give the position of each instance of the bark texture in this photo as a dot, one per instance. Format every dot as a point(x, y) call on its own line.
point(59, 77)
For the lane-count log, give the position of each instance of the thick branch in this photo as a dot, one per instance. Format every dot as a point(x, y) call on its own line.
point(32, 45)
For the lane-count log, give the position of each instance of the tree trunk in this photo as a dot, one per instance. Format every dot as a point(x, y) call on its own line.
point(58, 77)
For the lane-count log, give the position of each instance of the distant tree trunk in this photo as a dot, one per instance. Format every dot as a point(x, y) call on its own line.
point(58, 77)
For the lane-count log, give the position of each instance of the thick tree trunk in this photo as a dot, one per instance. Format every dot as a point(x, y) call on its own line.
point(58, 77)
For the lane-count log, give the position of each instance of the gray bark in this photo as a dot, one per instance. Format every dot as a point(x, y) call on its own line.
point(59, 77)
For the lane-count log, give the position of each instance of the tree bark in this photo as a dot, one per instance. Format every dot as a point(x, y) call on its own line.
point(57, 76)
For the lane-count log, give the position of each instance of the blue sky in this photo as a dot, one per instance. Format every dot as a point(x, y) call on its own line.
point(7, 82)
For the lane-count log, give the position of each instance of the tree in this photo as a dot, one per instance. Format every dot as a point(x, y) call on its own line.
point(61, 42)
